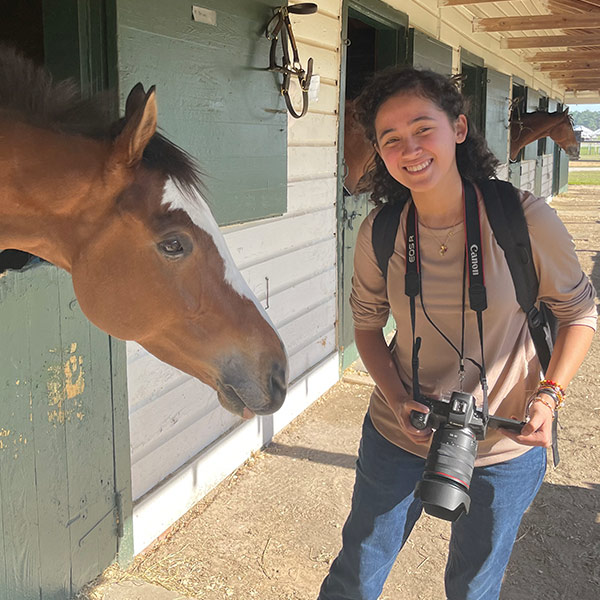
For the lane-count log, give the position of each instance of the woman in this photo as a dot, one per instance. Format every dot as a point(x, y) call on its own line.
point(425, 147)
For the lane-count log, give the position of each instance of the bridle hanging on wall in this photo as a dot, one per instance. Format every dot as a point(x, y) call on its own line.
point(280, 27)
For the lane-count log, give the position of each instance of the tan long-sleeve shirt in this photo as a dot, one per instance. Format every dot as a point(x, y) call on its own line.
point(513, 370)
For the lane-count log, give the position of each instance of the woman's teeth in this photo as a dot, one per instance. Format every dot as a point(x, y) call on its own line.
point(420, 167)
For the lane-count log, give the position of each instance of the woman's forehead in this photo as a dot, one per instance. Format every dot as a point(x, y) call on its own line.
point(406, 109)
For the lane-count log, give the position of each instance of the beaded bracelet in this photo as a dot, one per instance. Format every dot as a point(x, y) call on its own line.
point(558, 401)
point(556, 386)
point(544, 402)
point(554, 390)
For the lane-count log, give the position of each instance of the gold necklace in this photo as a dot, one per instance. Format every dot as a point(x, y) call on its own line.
point(444, 244)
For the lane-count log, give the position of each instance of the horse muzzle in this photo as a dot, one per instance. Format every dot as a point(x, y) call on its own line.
point(246, 390)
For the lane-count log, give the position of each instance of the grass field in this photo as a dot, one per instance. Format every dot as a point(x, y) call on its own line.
point(584, 177)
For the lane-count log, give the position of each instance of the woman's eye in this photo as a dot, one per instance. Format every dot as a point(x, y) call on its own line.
point(171, 247)
point(423, 130)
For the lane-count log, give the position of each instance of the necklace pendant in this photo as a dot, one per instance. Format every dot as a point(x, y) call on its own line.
point(443, 249)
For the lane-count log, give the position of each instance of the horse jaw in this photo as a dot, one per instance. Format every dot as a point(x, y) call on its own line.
point(239, 390)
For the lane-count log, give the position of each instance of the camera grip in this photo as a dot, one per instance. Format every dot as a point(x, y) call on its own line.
point(510, 424)
point(418, 419)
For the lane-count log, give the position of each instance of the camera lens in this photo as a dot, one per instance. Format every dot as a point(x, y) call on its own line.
point(448, 471)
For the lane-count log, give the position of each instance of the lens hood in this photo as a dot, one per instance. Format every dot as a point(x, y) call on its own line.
point(442, 499)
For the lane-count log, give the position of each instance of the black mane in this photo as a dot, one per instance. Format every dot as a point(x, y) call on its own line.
point(30, 91)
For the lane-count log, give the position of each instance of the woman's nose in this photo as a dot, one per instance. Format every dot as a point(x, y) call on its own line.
point(411, 147)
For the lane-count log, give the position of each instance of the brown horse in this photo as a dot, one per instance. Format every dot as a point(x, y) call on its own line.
point(358, 150)
point(529, 127)
point(120, 208)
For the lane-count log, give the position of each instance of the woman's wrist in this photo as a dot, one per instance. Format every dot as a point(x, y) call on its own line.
point(544, 399)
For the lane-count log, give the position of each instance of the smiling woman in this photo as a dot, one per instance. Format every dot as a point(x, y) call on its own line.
point(121, 208)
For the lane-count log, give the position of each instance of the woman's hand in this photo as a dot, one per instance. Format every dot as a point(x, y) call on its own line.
point(538, 431)
point(402, 410)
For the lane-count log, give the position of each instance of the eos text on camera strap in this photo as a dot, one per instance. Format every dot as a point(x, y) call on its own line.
point(475, 270)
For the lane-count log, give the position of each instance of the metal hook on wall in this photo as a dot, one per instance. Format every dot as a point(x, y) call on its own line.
point(280, 27)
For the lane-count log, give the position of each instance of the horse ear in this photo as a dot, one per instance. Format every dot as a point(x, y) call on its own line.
point(140, 126)
point(136, 97)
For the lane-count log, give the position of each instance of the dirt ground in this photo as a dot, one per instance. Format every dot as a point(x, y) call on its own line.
point(271, 530)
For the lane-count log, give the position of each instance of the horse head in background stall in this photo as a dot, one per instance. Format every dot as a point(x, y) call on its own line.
point(358, 150)
point(120, 208)
point(529, 127)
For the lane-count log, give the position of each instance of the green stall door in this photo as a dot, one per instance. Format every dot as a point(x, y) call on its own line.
point(65, 502)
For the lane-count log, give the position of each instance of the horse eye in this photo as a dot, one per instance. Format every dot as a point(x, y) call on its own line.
point(172, 248)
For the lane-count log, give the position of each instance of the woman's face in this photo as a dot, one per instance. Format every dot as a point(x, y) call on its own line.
point(417, 142)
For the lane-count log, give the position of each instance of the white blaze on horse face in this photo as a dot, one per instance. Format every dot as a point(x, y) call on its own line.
point(202, 217)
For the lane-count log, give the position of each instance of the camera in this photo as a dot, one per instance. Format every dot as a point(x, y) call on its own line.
point(444, 487)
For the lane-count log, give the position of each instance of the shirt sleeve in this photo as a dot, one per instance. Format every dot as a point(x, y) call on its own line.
point(368, 299)
point(563, 286)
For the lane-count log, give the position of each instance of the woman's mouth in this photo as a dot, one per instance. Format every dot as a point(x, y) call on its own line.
point(420, 167)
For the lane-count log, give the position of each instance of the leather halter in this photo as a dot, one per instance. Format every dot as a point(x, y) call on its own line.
point(280, 27)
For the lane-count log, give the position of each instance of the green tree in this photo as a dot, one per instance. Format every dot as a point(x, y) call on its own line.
point(587, 118)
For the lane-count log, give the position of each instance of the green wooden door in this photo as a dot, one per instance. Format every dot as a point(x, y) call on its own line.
point(474, 88)
point(497, 94)
point(64, 442)
point(216, 98)
point(376, 37)
point(428, 53)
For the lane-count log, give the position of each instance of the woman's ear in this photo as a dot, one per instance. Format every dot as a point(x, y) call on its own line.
point(461, 128)
point(376, 148)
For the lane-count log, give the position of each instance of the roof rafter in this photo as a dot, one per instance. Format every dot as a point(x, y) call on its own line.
point(569, 66)
point(530, 23)
point(563, 55)
point(550, 41)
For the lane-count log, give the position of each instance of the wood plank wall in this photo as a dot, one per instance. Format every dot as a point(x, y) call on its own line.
point(173, 417)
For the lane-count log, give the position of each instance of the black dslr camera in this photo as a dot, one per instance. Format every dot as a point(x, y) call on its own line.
point(449, 466)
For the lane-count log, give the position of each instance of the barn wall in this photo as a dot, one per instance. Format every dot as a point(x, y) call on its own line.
point(547, 170)
point(182, 442)
point(452, 25)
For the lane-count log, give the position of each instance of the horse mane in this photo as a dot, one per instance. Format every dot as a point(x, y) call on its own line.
point(30, 91)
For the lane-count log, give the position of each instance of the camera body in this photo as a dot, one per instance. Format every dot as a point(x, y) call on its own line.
point(449, 465)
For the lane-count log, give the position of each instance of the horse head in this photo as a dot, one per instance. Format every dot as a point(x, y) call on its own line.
point(358, 150)
point(122, 210)
point(564, 134)
point(529, 127)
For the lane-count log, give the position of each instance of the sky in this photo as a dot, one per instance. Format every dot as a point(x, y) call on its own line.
point(577, 107)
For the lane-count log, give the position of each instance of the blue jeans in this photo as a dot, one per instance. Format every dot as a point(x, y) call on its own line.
point(384, 511)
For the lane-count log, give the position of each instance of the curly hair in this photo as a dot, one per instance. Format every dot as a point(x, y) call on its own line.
point(474, 160)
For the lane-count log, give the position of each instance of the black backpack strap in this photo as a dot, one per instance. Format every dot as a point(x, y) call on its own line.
point(506, 217)
point(383, 236)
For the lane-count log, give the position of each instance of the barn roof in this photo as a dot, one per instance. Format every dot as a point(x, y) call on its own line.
point(560, 38)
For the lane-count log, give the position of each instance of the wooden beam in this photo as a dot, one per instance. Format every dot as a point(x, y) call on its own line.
point(573, 74)
point(569, 66)
point(563, 55)
point(529, 23)
point(551, 41)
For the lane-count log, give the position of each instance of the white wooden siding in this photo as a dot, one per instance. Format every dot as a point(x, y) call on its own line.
point(547, 168)
point(502, 172)
point(177, 425)
point(528, 175)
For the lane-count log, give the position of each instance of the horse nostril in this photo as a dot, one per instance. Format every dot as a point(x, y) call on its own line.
point(277, 386)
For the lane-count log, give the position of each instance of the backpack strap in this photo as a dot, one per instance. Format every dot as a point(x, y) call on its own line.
point(507, 219)
point(383, 235)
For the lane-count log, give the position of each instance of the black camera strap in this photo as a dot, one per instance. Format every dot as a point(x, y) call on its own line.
point(474, 257)
point(477, 292)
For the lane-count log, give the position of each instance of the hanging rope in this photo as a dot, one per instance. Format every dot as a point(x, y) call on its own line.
point(280, 28)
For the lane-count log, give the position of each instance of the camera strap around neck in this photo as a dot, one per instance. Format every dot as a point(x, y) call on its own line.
point(477, 292)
